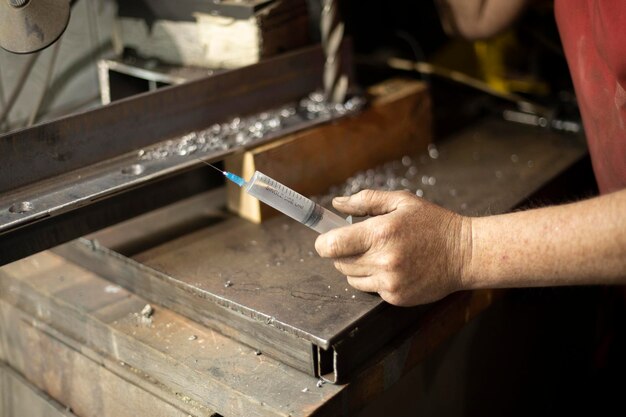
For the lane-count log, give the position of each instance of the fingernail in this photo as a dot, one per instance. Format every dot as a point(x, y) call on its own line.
point(341, 199)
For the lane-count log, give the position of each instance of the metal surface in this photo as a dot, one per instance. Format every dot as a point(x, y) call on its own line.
point(87, 138)
point(229, 377)
point(27, 209)
point(149, 70)
point(487, 169)
point(39, 235)
point(88, 315)
point(27, 27)
point(275, 277)
point(202, 306)
point(104, 137)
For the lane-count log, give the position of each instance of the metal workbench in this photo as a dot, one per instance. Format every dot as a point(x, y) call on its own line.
point(60, 313)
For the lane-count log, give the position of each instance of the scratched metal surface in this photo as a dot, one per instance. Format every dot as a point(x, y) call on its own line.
point(272, 270)
point(269, 271)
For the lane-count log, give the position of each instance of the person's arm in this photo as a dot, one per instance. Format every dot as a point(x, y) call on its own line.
point(414, 252)
point(478, 19)
point(578, 243)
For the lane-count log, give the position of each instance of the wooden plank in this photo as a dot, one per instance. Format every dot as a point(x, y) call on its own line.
point(196, 362)
point(87, 382)
point(397, 123)
point(20, 398)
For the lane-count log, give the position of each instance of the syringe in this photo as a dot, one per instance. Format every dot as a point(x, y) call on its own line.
point(287, 201)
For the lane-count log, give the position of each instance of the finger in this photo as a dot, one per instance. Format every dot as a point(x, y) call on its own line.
point(354, 266)
point(365, 284)
point(345, 241)
point(370, 202)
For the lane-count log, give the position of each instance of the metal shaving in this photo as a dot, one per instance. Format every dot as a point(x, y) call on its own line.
point(147, 311)
point(145, 316)
point(243, 131)
point(112, 289)
point(406, 173)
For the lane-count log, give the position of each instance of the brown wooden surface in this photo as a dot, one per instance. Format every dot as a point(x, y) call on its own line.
point(80, 378)
point(19, 398)
point(284, 28)
point(211, 370)
point(397, 123)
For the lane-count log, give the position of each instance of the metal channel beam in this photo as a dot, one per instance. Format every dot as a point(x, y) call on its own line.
point(63, 167)
point(51, 231)
point(47, 150)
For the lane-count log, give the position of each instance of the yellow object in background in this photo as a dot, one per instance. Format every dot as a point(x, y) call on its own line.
point(494, 59)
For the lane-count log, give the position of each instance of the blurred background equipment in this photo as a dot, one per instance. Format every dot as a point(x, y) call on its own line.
point(210, 34)
point(28, 26)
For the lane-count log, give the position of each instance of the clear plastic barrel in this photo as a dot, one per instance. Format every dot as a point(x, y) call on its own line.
point(294, 205)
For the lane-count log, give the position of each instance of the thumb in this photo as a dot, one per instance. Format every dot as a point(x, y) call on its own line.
point(369, 202)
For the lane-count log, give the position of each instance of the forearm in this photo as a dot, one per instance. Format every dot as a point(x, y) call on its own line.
point(579, 243)
point(477, 19)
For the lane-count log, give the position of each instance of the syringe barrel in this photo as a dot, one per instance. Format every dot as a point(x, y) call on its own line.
point(294, 205)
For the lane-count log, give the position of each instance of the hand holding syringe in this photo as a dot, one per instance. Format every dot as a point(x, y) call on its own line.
point(287, 201)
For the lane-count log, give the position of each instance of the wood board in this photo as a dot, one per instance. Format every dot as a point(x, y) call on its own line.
point(398, 122)
point(18, 397)
point(211, 370)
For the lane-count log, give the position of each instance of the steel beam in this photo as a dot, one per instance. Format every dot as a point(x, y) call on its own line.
point(69, 164)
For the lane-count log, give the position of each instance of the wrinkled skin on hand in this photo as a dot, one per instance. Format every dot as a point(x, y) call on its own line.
point(411, 252)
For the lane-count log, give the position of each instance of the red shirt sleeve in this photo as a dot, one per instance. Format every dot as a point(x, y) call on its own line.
point(593, 34)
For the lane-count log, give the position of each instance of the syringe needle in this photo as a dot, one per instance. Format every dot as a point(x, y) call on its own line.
point(211, 165)
point(234, 178)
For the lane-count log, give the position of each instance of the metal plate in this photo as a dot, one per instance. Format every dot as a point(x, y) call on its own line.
point(271, 273)
point(275, 272)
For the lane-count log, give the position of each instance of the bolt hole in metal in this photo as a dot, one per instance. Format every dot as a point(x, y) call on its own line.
point(134, 169)
point(21, 207)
